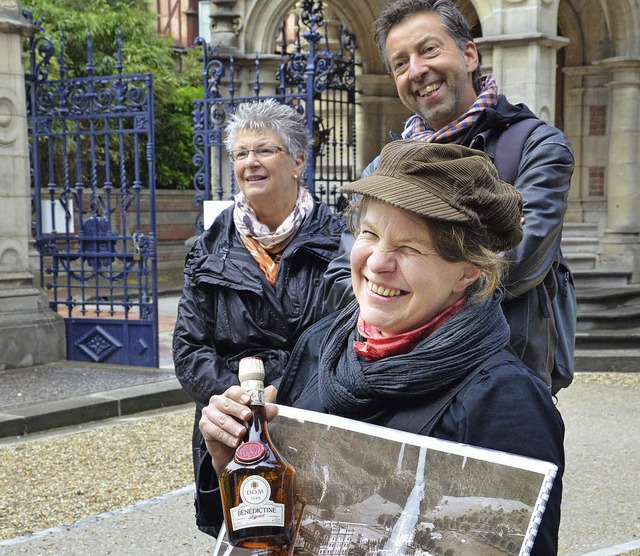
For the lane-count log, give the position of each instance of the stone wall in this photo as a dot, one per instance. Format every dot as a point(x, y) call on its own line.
point(30, 333)
point(175, 226)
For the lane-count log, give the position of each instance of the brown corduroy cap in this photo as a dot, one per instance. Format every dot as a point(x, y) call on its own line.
point(446, 182)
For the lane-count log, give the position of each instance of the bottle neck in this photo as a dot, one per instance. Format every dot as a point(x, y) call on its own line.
point(255, 389)
point(258, 424)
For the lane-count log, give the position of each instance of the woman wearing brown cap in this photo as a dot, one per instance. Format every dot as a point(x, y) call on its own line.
point(424, 348)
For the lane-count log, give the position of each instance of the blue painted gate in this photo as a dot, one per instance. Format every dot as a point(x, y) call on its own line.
point(93, 174)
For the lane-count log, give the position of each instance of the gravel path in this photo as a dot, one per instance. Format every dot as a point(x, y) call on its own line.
point(125, 486)
point(54, 479)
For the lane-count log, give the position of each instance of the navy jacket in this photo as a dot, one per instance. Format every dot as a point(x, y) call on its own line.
point(505, 407)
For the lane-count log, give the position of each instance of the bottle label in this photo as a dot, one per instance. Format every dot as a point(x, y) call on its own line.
point(255, 389)
point(256, 509)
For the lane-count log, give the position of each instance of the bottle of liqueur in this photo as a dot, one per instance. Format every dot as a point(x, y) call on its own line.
point(258, 485)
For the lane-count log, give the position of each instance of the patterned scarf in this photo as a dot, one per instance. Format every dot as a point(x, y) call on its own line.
point(376, 346)
point(454, 132)
point(352, 387)
point(248, 224)
point(263, 244)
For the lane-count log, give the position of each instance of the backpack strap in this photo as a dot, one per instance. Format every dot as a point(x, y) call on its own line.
point(423, 418)
point(510, 145)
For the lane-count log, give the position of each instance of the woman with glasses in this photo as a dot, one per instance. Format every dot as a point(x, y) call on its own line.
point(252, 281)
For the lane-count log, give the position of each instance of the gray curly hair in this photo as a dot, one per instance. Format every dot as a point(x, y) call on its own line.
point(270, 115)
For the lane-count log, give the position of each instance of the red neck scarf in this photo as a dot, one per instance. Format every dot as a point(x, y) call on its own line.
point(375, 346)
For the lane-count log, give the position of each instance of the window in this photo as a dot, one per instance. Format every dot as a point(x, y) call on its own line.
point(204, 21)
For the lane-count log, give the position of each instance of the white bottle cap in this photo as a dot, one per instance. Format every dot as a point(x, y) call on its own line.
point(251, 368)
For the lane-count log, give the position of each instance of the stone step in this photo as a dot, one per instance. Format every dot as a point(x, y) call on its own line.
point(579, 244)
point(600, 277)
point(607, 297)
point(580, 261)
point(579, 229)
point(608, 339)
point(607, 360)
point(617, 318)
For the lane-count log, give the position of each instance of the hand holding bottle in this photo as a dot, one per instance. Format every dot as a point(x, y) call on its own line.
point(222, 425)
point(257, 486)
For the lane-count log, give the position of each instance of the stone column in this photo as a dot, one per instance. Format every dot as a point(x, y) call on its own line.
point(225, 26)
point(523, 41)
point(524, 67)
point(621, 239)
point(30, 332)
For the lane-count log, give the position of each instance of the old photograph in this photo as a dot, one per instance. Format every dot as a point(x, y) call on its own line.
point(367, 490)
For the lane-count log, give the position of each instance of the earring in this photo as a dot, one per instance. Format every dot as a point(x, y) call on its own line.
point(295, 177)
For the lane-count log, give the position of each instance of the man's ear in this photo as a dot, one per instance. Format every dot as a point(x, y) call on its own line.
point(472, 57)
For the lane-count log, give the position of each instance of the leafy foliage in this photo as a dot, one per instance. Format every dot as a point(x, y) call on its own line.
point(175, 76)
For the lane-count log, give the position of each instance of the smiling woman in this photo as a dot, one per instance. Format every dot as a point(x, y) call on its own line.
point(252, 281)
point(424, 347)
point(267, 169)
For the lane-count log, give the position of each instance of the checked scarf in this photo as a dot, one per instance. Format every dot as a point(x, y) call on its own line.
point(454, 132)
point(247, 222)
point(350, 386)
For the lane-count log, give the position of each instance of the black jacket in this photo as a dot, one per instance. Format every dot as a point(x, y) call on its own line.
point(228, 309)
point(504, 407)
point(544, 178)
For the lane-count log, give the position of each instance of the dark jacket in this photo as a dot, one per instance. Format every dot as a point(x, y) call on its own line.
point(544, 178)
point(228, 309)
point(504, 407)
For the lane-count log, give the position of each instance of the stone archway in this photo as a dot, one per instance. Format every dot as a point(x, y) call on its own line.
point(263, 20)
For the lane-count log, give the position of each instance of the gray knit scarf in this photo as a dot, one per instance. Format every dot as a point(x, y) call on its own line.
point(369, 390)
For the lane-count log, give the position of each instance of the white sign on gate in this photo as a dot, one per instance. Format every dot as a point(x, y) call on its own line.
point(54, 218)
point(211, 209)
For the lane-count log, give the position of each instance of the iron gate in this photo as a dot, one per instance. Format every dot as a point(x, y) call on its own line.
point(318, 81)
point(93, 174)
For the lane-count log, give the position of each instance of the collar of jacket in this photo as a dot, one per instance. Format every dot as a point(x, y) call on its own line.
point(219, 256)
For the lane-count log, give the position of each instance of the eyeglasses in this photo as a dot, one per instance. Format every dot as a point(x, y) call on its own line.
point(259, 152)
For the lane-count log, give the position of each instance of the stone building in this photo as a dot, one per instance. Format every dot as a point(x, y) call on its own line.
point(576, 63)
